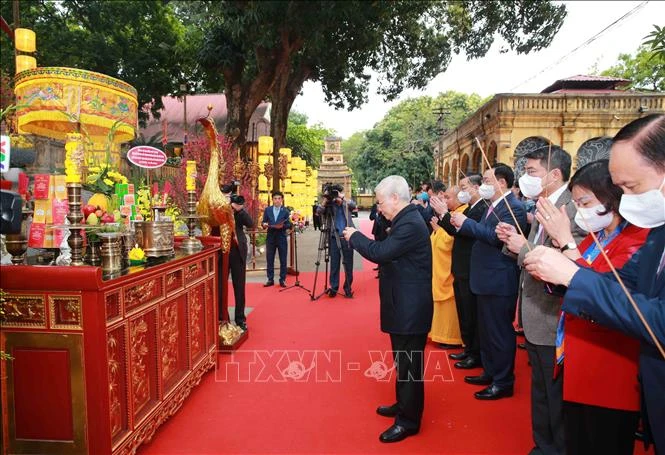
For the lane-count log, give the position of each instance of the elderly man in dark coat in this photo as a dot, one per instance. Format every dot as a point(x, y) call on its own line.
point(405, 290)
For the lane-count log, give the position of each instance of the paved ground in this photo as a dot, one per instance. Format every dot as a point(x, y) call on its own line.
point(308, 252)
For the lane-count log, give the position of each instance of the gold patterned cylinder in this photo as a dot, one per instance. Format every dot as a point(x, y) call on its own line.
point(74, 157)
point(191, 175)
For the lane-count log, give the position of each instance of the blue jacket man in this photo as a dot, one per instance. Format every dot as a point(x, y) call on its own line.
point(494, 279)
point(276, 219)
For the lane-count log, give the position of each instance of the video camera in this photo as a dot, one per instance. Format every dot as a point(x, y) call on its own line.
point(231, 187)
point(330, 191)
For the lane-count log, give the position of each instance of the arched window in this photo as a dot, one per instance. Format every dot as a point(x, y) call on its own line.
point(594, 149)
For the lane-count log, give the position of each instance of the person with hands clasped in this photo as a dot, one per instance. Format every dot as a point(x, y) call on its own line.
point(494, 278)
point(637, 167)
point(546, 179)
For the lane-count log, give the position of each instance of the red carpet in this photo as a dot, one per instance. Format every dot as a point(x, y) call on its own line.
point(263, 404)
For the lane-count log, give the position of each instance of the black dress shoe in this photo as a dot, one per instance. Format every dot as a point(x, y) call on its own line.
point(269, 283)
point(468, 363)
point(396, 433)
point(493, 392)
point(331, 293)
point(348, 295)
point(459, 356)
point(282, 284)
point(388, 411)
point(483, 379)
point(449, 346)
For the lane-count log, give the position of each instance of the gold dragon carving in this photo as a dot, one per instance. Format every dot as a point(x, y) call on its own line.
point(213, 207)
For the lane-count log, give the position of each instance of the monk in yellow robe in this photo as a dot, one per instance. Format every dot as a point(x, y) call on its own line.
point(445, 324)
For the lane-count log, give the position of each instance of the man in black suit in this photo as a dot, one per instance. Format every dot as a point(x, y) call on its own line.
point(494, 279)
point(238, 257)
point(405, 292)
point(465, 300)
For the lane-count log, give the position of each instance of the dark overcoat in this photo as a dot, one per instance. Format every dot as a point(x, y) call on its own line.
point(405, 273)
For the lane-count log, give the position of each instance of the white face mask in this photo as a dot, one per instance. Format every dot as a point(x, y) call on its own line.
point(589, 220)
point(464, 197)
point(645, 210)
point(486, 191)
point(531, 186)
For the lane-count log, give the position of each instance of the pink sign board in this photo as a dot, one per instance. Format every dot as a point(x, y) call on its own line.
point(146, 157)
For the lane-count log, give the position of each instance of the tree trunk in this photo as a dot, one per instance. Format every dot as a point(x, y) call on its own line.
point(282, 95)
point(243, 97)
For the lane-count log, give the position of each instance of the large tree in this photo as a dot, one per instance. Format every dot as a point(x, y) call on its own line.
point(140, 42)
point(645, 69)
point(402, 142)
point(268, 49)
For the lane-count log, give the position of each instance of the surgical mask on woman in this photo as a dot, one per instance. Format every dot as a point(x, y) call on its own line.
point(531, 186)
point(486, 191)
point(464, 197)
point(645, 210)
point(590, 220)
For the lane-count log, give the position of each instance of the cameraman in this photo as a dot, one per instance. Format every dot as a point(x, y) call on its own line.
point(335, 206)
point(238, 257)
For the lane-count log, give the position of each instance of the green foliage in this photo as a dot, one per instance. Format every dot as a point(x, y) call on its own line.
point(141, 42)
point(645, 70)
point(307, 142)
point(270, 48)
point(656, 41)
point(402, 142)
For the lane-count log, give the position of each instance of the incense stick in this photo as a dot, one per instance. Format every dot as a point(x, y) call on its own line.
point(517, 224)
point(623, 287)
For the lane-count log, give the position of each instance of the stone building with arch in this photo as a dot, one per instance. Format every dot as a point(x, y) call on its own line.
point(579, 114)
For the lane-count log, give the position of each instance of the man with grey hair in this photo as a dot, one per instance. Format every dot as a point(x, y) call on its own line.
point(405, 293)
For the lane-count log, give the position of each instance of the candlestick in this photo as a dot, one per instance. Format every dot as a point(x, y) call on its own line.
point(75, 217)
point(191, 243)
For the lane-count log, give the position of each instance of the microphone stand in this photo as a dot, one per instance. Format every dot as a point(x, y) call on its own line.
point(297, 282)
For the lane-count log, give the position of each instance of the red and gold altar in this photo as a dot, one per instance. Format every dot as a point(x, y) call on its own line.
point(99, 364)
point(102, 353)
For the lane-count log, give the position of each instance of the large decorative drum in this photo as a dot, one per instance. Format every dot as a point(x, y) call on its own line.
point(51, 100)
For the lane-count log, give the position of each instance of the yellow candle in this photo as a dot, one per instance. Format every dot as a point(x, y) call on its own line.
point(74, 156)
point(191, 175)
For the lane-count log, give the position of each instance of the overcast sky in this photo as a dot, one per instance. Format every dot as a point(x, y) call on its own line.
point(500, 73)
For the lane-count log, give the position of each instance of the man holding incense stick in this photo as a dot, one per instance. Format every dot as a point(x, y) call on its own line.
point(634, 303)
point(494, 279)
point(546, 177)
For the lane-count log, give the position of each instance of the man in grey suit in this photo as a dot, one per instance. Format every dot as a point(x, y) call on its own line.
point(547, 174)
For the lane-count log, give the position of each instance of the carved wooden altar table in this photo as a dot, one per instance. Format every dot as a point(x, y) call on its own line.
point(99, 363)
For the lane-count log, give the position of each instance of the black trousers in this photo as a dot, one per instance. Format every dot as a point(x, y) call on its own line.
point(237, 269)
point(593, 429)
point(409, 386)
point(497, 337)
point(467, 310)
point(546, 401)
point(276, 243)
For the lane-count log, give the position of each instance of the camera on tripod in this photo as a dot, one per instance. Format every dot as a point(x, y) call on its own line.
point(330, 191)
